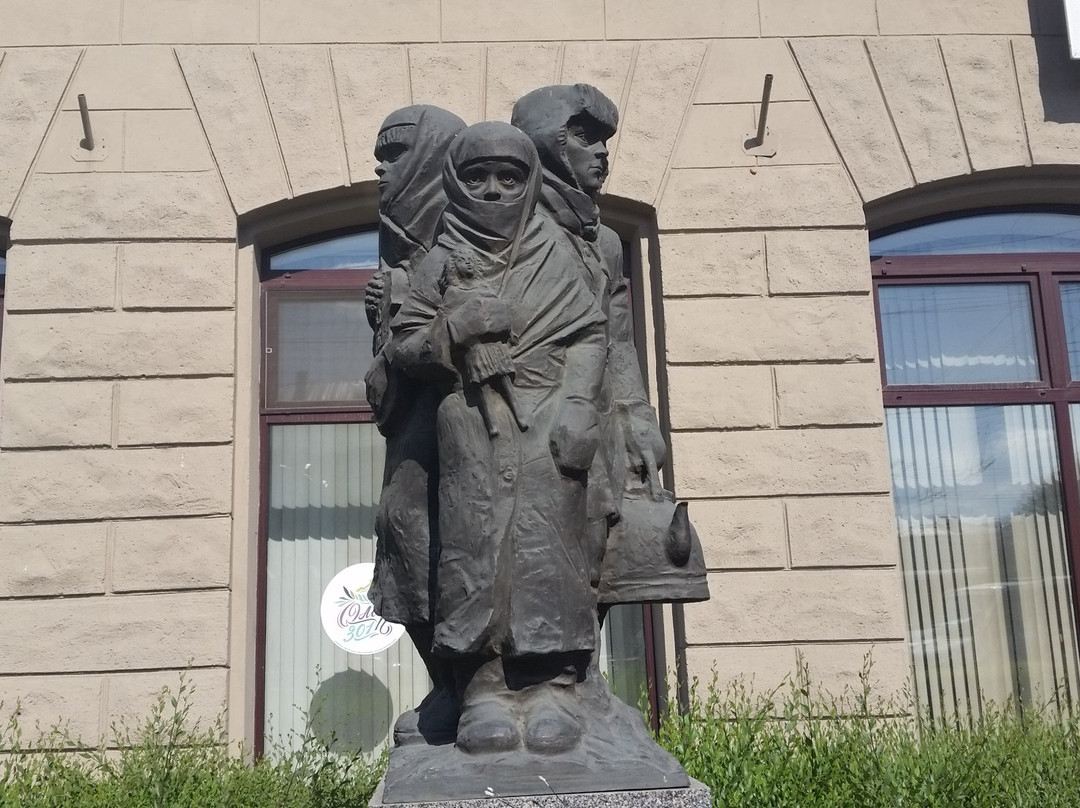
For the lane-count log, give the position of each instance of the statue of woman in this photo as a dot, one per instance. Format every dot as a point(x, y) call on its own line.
point(502, 322)
point(410, 148)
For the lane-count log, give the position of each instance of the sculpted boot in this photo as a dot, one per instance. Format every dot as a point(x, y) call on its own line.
point(435, 720)
point(550, 728)
point(550, 686)
point(488, 722)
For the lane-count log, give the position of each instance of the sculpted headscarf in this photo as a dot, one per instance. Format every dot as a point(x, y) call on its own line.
point(503, 549)
point(494, 228)
point(518, 257)
point(409, 212)
point(543, 115)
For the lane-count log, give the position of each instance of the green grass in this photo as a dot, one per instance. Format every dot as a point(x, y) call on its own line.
point(794, 747)
point(171, 761)
point(790, 747)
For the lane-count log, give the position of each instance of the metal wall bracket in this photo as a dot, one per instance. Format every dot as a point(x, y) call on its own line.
point(88, 150)
point(762, 143)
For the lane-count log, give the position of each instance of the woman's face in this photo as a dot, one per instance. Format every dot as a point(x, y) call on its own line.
point(389, 169)
point(493, 180)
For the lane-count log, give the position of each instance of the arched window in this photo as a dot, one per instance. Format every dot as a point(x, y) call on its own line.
point(322, 471)
point(322, 468)
point(979, 330)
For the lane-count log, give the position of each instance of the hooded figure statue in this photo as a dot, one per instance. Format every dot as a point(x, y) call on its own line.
point(645, 548)
point(503, 322)
point(410, 147)
point(516, 322)
point(570, 185)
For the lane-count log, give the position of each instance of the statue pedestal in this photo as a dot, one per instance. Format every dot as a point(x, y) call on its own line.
point(443, 775)
point(616, 754)
point(696, 795)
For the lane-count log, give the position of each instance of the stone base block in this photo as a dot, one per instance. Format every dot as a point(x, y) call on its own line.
point(696, 795)
point(614, 753)
point(419, 774)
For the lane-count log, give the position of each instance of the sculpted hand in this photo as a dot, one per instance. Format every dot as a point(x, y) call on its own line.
point(479, 319)
point(373, 296)
point(645, 446)
point(576, 435)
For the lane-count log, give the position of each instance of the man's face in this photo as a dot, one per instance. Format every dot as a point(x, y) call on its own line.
point(493, 180)
point(586, 152)
point(389, 152)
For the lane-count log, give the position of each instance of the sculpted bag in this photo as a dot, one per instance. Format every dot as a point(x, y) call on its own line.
point(653, 552)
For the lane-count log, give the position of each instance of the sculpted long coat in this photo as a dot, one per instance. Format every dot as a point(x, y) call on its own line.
point(407, 549)
point(513, 576)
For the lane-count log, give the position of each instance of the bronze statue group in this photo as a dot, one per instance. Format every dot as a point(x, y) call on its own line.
point(521, 496)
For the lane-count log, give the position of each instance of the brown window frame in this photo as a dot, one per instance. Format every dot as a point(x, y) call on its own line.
point(299, 281)
point(1044, 273)
point(298, 284)
point(321, 280)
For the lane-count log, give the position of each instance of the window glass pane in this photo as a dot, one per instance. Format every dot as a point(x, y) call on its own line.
point(1070, 305)
point(321, 348)
point(622, 653)
point(983, 553)
point(324, 486)
point(958, 333)
point(324, 483)
point(987, 233)
point(354, 251)
point(3, 269)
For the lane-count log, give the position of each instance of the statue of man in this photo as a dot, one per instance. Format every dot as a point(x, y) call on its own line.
point(641, 541)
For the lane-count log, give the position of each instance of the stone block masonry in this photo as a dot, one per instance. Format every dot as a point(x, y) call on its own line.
point(119, 426)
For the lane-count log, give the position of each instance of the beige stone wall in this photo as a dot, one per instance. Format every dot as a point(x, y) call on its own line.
point(116, 426)
point(127, 442)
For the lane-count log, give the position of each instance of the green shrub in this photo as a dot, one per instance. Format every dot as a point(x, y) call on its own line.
point(170, 761)
point(794, 747)
point(790, 747)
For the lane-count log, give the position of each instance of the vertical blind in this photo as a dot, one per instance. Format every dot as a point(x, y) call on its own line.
point(982, 538)
point(958, 333)
point(1070, 306)
point(622, 653)
point(325, 481)
point(324, 486)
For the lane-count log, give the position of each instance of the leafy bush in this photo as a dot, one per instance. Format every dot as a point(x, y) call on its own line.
point(794, 747)
point(170, 761)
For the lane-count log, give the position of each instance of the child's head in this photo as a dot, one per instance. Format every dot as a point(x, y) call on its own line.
point(498, 179)
point(492, 179)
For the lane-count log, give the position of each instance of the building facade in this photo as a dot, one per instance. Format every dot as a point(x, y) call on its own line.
point(142, 444)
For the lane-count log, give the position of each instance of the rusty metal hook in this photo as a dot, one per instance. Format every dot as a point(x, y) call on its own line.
point(88, 134)
point(756, 144)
